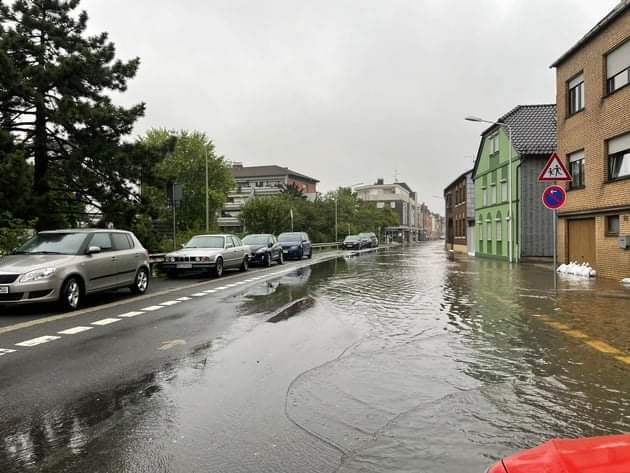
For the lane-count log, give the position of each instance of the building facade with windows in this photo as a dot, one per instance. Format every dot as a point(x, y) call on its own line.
point(533, 133)
point(459, 212)
point(260, 181)
point(401, 199)
point(593, 98)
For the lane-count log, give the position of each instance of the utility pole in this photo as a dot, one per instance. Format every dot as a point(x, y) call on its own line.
point(207, 197)
point(174, 218)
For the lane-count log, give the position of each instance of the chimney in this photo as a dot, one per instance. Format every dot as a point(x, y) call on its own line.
point(380, 181)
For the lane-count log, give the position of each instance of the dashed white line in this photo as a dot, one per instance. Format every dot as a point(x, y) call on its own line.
point(6, 351)
point(210, 291)
point(37, 341)
point(128, 315)
point(169, 303)
point(231, 285)
point(182, 299)
point(107, 321)
point(221, 288)
point(151, 308)
point(199, 294)
point(75, 330)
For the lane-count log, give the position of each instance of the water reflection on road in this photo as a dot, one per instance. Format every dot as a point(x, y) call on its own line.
point(406, 362)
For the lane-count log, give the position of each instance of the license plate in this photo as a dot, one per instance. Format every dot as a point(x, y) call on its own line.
point(4, 289)
point(285, 251)
point(184, 265)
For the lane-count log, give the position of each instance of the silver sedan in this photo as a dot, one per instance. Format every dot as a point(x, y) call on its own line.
point(209, 253)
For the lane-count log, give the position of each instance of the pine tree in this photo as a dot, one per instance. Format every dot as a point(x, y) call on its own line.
point(54, 100)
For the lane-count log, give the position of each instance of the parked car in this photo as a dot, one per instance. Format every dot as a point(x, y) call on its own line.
point(610, 454)
point(296, 245)
point(65, 265)
point(371, 237)
point(264, 249)
point(354, 242)
point(209, 253)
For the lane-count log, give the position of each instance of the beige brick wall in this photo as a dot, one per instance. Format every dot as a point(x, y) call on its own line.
point(603, 118)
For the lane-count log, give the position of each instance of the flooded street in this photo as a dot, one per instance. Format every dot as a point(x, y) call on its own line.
point(401, 362)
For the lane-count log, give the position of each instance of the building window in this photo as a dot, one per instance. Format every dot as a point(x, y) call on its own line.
point(612, 225)
point(493, 194)
point(619, 157)
point(498, 229)
point(576, 94)
point(493, 142)
point(504, 191)
point(480, 225)
point(618, 68)
point(576, 168)
point(380, 205)
point(484, 197)
point(489, 227)
point(392, 205)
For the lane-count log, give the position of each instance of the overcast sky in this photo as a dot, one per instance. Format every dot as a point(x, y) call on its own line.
point(345, 91)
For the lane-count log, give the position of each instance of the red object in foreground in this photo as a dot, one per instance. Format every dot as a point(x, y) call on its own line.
point(590, 455)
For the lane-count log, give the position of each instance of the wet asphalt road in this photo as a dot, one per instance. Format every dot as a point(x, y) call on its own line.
point(396, 361)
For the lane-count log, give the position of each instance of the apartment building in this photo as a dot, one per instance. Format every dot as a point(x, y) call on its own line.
point(260, 181)
point(460, 213)
point(401, 199)
point(593, 99)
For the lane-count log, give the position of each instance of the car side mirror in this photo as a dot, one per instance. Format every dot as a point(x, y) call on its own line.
point(92, 250)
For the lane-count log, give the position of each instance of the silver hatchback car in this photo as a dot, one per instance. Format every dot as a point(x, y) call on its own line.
point(65, 265)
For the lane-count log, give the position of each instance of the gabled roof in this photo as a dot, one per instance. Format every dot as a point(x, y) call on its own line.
point(533, 130)
point(619, 9)
point(457, 179)
point(267, 171)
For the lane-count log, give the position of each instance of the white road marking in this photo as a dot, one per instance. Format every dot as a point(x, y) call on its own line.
point(107, 321)
point(6, 351)
point(128, 315)
point(221, 288)
point(37, 341)
point(151, 308)
point(210, 291)
point(230, 285)
point(240, 282)
point(199, 294)
point(75, 330)
point(169, 303)
point(182, 299)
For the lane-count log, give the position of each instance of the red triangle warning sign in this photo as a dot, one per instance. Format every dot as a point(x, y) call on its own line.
point(555, 170)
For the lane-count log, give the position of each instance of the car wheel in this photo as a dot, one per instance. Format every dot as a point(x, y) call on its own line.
point(218, 269)
point(268, 260)
point(245, 264)
point(141, 283)
point(71, 294)
point(281, 259)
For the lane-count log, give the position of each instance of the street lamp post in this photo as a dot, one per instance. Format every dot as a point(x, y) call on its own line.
point(510, 219)
point(207, 197)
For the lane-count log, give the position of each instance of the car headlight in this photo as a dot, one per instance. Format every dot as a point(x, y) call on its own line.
point(38, 275)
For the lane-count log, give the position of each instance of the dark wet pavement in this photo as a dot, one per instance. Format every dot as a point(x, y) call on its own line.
point(404, 362)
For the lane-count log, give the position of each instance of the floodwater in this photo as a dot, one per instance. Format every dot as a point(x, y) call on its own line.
point(401, 362)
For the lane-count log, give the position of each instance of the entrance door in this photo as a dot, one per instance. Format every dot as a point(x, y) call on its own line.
point(582, 241)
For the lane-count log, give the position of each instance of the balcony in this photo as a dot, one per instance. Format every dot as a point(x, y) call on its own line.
point(228, 222)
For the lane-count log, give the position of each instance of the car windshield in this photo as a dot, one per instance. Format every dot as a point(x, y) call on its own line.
point(352, 237)
point(256, 240)
point(290, 237)
point(52, 244)
point(205, 241)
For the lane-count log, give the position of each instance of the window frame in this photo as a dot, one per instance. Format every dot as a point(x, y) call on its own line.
point(624, 152)
point(107, 234)
point(609, 80)
point(582, 96)
point(607, 231)
point(582, 173)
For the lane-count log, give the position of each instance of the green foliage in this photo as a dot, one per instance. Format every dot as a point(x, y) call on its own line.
point(55, 101)
point(272, 215)
point(13, 232)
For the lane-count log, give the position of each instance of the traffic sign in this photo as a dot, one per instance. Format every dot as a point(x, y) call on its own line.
point(555, 170)
point(554, 197)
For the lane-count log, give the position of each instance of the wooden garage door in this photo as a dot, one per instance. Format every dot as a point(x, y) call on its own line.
point(582, 241)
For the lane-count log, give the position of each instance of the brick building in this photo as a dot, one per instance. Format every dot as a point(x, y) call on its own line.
point(460, 210)
point(593, 102)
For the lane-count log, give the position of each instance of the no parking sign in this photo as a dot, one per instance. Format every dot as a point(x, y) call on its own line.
point(554, 197)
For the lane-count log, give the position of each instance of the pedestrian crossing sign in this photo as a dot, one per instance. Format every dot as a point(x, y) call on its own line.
point(555, 170)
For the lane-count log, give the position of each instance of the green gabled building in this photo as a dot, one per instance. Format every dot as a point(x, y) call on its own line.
point(533, 138)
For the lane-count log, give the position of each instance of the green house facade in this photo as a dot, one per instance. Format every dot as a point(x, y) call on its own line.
point(532, 141)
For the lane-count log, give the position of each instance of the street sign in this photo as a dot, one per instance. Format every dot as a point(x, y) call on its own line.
point(554, 197)
point(554, 170)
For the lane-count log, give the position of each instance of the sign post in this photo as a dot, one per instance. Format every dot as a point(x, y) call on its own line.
point(554, 197)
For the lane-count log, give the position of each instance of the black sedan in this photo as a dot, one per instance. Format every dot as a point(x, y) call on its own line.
point(264, 249)
point(355, 242)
